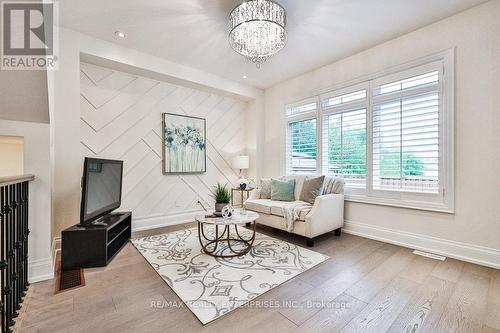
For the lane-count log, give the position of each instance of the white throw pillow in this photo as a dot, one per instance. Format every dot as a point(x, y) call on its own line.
point(333, 185)
point(265, 188)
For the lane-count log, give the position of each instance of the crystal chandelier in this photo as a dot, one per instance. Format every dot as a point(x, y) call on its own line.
point(257, 29)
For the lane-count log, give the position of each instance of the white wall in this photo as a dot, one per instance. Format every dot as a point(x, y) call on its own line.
point(24, 95)
point(473, 232)
point(64, 100)
point(36, 162)
point(12, 153)
point(121, 119)
point(64, 106)
point(255, 137)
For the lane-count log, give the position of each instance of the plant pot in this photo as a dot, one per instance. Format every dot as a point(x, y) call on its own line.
point(219, 206)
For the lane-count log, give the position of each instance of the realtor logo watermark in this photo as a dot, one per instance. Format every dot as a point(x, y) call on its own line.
point(29, 36)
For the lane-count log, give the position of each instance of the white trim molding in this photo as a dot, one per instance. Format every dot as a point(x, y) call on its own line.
point(401, 203)
point(458, 250)
point(152, 222)
point(41, 270)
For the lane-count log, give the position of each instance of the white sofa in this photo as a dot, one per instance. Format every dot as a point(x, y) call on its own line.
point(325, 215)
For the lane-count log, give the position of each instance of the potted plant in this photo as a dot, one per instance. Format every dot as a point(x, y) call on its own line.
point(222, 196)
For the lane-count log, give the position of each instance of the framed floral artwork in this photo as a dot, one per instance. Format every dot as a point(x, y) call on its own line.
point(184, 144)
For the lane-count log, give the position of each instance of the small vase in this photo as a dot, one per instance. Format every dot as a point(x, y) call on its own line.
point(227, 212)
point(219, 206)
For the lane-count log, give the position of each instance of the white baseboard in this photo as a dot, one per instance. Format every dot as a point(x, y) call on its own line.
point(40, 270)
point(152, 222)
point(462, 251)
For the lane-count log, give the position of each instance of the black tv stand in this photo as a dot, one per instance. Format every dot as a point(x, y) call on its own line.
point(86, 246)
point(101, 222)
point(95, 224)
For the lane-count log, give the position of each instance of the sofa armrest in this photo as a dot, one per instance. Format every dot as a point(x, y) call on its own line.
point(255, 194)
point(327, 214)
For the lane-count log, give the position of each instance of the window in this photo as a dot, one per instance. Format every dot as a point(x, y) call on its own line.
point(344, 136)
point(346, 146)
point(295, 110)
point(406, 144)
point(411, 143)
point(406, 135)
point(302, 139)
point(428, 79)
point(344, 99)
point(390, 137)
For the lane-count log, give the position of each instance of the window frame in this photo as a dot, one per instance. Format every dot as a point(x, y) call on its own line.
point(415, 71)
point(309, 115)
point(341, 108)
point(442, 201)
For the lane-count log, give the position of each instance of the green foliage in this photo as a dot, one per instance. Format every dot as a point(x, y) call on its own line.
point(412, 166)
point(390, 165)
point(221, 194)
point(353, 140)
point(304, 138)
point(355, 162)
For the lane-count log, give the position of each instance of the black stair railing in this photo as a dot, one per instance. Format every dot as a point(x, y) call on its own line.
point(14, 192)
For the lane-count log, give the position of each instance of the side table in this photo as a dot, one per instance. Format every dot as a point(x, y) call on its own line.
point(247, 191)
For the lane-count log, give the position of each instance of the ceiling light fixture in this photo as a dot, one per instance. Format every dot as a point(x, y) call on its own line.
point(120, 34)
point(244, 76)
point(257, 29)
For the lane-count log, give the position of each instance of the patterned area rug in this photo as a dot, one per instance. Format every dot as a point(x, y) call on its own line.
point(211, 287)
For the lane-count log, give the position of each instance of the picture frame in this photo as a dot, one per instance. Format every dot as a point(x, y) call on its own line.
point(184, 144)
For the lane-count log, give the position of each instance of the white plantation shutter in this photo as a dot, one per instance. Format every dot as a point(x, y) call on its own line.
point(301, 143)
point(344, 99)
point(300, 109)
point(301, 147)
point(344, 136)
point(405, 133)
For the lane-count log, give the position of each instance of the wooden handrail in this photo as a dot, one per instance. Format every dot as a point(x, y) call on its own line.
point(4, 181)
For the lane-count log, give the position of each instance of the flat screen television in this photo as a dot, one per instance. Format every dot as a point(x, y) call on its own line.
point(101, 190)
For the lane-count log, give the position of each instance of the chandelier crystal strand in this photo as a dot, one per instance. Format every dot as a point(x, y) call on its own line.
point(257, 29)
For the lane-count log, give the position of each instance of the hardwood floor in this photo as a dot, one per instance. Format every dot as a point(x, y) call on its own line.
point(366, 286)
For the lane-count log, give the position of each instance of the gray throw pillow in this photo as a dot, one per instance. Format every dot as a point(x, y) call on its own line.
point(265, 188)
point(311, 189)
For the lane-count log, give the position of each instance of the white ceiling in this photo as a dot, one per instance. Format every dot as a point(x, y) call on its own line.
point(194, 32)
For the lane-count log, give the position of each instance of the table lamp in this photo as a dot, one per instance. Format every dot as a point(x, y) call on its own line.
point(241, 162)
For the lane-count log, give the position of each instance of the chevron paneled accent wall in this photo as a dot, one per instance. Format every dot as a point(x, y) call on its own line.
point(121, 119)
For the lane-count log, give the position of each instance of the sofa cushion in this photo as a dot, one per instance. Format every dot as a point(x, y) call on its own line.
point(311, 189)
point(282, 190)
point(277, 209)
point(265, 188)
point(299, 182)
point(333, 185)
point(259, 205)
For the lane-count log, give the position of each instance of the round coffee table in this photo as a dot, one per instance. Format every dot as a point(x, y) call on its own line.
point(239, 218)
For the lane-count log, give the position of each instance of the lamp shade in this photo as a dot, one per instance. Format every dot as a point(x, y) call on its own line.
point(240, 162)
